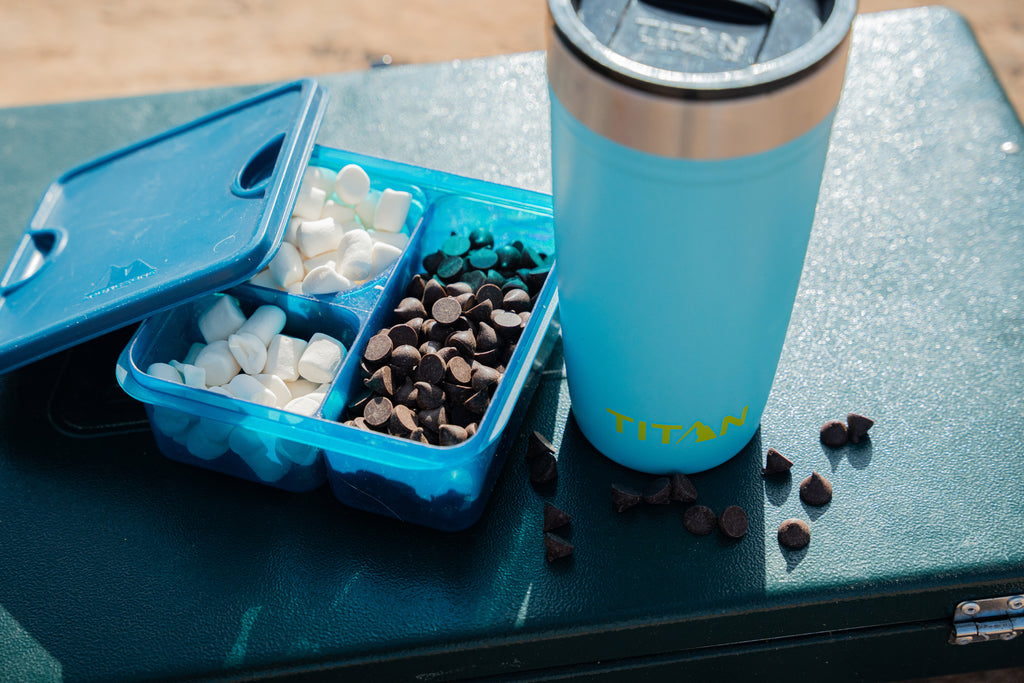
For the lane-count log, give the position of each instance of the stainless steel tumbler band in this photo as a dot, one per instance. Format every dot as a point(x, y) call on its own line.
point(694, 128)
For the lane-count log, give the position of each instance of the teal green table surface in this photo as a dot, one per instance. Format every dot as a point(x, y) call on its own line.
point(118, 564)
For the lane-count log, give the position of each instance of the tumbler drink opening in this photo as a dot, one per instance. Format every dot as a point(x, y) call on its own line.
point(688, 142)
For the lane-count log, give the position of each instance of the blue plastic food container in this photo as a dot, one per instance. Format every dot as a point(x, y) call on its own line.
point(140, 234)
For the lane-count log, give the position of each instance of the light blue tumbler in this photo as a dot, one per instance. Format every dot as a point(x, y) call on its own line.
point(688, 141)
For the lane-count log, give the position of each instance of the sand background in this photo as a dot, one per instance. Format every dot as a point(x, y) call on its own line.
point(53, 51)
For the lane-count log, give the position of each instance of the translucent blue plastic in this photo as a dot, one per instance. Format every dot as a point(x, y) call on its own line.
point(676, 281)
point(441, 487)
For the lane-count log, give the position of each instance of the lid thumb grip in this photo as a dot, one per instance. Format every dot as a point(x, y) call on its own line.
point(753, 12)
point(35, 250)
point(254, 176)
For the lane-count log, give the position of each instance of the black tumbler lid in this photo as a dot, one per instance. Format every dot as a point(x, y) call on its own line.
point(703, 48)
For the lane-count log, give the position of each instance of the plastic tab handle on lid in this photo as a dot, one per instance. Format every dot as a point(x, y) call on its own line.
point(688, 139)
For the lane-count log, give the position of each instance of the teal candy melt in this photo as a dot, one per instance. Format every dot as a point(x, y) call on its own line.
point(676, 282)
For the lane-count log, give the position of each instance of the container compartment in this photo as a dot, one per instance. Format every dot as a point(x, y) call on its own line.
point(446, 486)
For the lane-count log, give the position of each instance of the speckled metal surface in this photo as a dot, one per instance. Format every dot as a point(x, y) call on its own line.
point(119, 564)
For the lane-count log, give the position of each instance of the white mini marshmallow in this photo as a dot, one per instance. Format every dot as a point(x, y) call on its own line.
point(248, 388)
point(249, 351)
point(283, 357)
point(303, 406)
point(201, 446)
point(392, 209)
point(324, 280)
point(329, 259)
point(318, 176)
point(395, 239)
point(366, 208)
point(214, 430)
point(221, 320)
point(310, 202)
point(341, 213)
point(277, 386)
point(266, 322)
point(294, 288)
point(318, 237)
point(193, 353)
point(164, 371)
point(355, 255)
point(264, 278)
point(302, 387)
point(352, 184)
point(291, 233)
point(169, 421)
point(265, 464)
point(194, 376)
point(286, 266)
point(299, 453)
point(221, 389)
point(382, 256)
point(218, 362)
point(352, 225)
point(322, 358)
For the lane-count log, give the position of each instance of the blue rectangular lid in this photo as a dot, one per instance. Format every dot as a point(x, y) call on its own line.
point(193, 210)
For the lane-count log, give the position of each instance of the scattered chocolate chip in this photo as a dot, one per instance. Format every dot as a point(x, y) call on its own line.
point(683, 489)
point(733, 521)
point(543, 467)
point(554, 518)
point(857, 427)
point(699, 520)
point(775, 463)
point(624, 497)
point(378, 348)
point(538, 445)
point(815, 490)
point(833, 434)
point(658, 491)
point(794, 534)
point(556, 547)
point(377, 411)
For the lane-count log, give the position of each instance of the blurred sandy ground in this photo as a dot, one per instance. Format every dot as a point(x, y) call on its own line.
point(52, 51)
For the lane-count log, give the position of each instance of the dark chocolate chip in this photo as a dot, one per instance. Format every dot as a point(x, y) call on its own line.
point(404, 334)
point(658, 491)
point(525, 317)
point(481, 312)
point(378, 411)
point(857, 427)
point(699, 520)
point(473, 278)
point(466, 300)
point(464, 342)
point(484, 378)
point(415, 288)
point(495, 278)
point(451, 434)
point(794, 534)
point(428, 347)
point(458, 371)
point(418, 435)
point(733, 521)
point(428, 395)
point(833, 434)
point(378, 348)
point(409, 308)
point(432, 291)
point(457, 393)
point(513, 284)
point(404, 359)
point(516, 300)
point(483, 259)
point(775, 463)
point(508, 257)
point(432, 419)
point(430, 369)
point(472, 428)
point(407, 394)
point(683, 489)
point(382, 381)
point(359, 423)
point(435, 331)
point(536, 277)
point(456, 245)
point(538, 445)
point(402, 421)
point(477, 403)
point(451, 268)
point(480, 238)
point(532, 258)
point(486, 337)
point(815, 490)
point(432, 260)
point(543, 467)
point(507, 324)
point(554, 518)
point(556, 547)
point(457, 288)
point(446, 310)
point(492, 293)
point(624, 497)
point(446, 353)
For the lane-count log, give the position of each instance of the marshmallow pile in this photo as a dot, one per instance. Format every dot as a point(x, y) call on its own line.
point(249, 359)
point(341, 234)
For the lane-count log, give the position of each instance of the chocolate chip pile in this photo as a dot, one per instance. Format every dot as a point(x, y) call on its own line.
point(431, 375)
point(699, 520)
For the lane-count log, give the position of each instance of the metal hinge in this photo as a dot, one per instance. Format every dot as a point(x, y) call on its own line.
point(975, 621)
